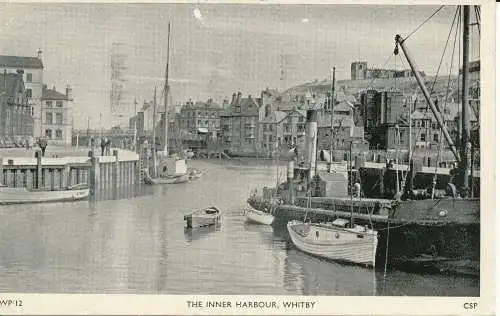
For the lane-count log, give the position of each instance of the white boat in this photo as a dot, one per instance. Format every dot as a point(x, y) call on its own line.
point(204, 217)
point(259, 217)
point(336, 241)
point(175, 179)
point(10, 195)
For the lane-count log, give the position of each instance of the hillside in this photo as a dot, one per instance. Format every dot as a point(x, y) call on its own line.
point(352, 87)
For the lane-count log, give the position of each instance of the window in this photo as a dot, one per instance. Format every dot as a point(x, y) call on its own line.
point(48, 133)
point(48, 118)
point(29, 77)
point(48, 103)
point(28, 93)
point(58, 134)
point(436, 138)
point(59, 104)
point(422, 137)
point(59, 119)
point(32, 111)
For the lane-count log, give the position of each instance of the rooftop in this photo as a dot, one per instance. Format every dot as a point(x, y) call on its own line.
point(52, 94)
point(20, 62)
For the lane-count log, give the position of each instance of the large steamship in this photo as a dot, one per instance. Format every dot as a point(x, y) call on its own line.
point(419, 229)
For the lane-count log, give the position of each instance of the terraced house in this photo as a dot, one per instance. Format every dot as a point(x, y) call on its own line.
point(31, 70)
point(240, 125)
point(57, 114)
point(16, 122)
point(201, 117)
point(283, 130)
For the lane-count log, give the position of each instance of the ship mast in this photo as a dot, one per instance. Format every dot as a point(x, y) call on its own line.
point(463, 157)
point(165, 92)
point(154, 136)
point(427, 95)
point(465, 142)
point(332, 104)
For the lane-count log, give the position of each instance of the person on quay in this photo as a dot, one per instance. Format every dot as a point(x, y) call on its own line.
point(103, 145)
point(42, 143)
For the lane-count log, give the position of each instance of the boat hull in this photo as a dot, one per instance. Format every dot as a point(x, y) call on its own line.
point(201, 219)
point(426, 236)
point(24, 196)
point(338, 244)
point(166, 180)
point(259, 217)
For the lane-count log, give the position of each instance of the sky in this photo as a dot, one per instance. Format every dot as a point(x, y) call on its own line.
point(233, 47)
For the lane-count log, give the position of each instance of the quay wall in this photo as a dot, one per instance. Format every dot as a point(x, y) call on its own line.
point(99, 172)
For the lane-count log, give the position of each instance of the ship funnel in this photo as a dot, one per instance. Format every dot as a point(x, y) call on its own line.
point(311, 137)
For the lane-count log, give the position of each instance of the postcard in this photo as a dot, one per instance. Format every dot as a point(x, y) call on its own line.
point(247, 157)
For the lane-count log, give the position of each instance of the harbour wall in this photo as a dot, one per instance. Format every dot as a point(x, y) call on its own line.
point(121, 169)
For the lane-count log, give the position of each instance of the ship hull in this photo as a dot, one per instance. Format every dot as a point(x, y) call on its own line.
point(432, 236)
point(337, 244)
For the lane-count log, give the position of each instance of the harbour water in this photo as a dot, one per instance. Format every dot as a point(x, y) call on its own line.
point(138, 244)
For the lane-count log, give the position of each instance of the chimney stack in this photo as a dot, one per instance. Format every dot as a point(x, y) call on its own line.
point(234, 98)
point(39, 54)
point(69, 93)
point(311, 136)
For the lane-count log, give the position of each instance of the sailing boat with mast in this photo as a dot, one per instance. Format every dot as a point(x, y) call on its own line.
point(266, 217)
point(340, 240)
point(169, 170)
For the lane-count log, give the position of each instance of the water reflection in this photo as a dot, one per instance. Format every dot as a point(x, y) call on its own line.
point(138, 244)
point(313, 276)
point(193, 234)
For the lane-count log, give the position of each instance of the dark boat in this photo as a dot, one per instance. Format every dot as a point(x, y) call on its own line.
point(419, 230)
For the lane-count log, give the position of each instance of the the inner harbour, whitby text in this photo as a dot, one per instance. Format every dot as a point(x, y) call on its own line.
point(251, 304)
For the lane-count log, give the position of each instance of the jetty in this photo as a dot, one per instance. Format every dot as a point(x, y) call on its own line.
point(121, 169)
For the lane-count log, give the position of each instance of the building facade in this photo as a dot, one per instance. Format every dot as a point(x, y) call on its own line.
point(360, 71)
point(57, 114)
point(16, 122)
point(338, 133)
point(203, 117)
point(32, 73)
point(240, 125)
point(282, 130)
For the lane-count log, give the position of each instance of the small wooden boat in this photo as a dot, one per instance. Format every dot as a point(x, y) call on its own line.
point(259, 217)
point(194, 173)
point(204, 217)
point(175, 179)
point(24, 196)
point(336, 240)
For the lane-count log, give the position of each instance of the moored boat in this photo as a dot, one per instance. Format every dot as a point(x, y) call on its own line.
point(10, 195)
point(204, 217)
point(336, 241)
point(259, 217)
point(175, 179)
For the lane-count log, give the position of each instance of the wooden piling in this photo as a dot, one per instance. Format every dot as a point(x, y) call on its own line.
point(116, 170)
point(39, 170)
point(94, 173)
